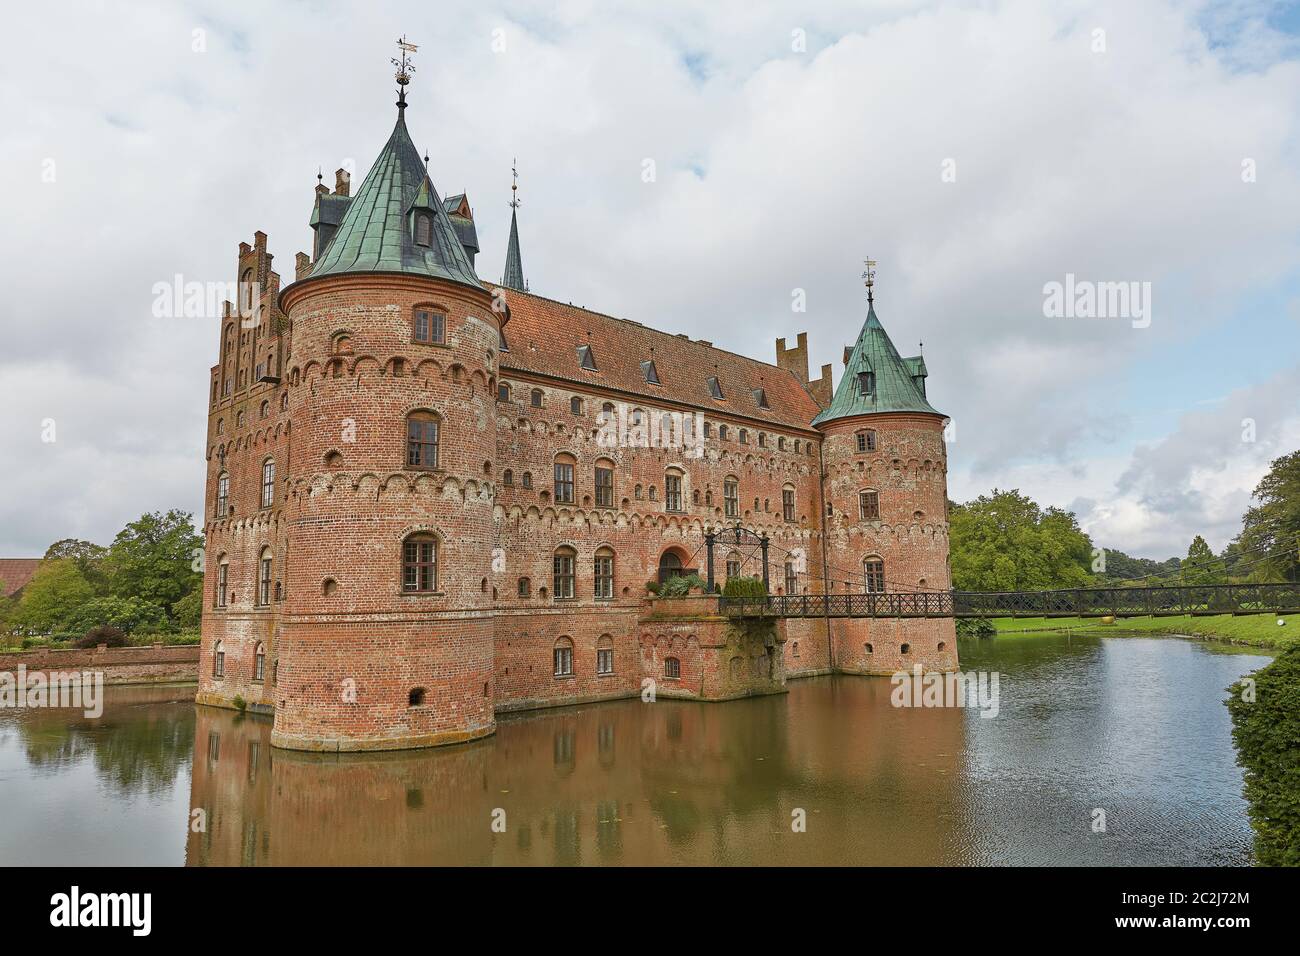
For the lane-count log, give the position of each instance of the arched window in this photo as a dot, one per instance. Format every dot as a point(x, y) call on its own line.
point(787, 502)
point(268, 482)
point(420, 564)
point(791, 577)
point(673, 490)
point(873, 573)
point(508, 478)
point(868, 505)
point(528, 479)
point(259, 662)
point(564, 571)
point(722, 433)
point(342, 344)
point(607, 413)
point(731, 497)
point(564, 465)
point(780, 443)
point(604, 573)
point(219, 660)
point(284, 401)
point(247, 293)
point(535, 398)
point(264, 578)
point(605, 655)
point(604, 483)
point(223, 581)
point(422, 440)
point(223, 494)
point(563, 657)
point(672, 668)
point(239, 419)
point(575, 405)
point(744, 436)
point(733, 565)
point(762, 439)
point(265, 409)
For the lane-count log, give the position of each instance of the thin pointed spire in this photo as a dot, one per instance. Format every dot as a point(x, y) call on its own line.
point(513, 276)
point(404, 70)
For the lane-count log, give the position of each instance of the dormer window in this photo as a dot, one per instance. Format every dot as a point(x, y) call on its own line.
point(650, 372)
point(760, 398)
point(715, 388)
point(423, 229)
point(867, 383)
point(586, 358)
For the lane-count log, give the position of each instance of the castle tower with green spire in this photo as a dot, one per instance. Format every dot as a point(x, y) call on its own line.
point(885, 486)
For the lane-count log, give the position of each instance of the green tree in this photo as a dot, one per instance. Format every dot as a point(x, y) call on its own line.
point(189, 609)
point(1265, 727)
point(1271, 528)
point(152, 559)
point(56, 590)
point(128, 614)
point(1005, 542)
point(1201, 566)
point(88, 556)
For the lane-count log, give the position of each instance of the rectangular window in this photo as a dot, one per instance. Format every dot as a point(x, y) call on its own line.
point(422, 443)
point(733, 566)
point(605, 660)
point(563, 661)
point(563, 483)
point(874, 573)
point(264, 583)
point(223, 574)
point(672, 668)
point(731, 499)
point(791, 579)
point(604, 575)
point(430, 326)
point(868, 505)
point(604, 487)
point(673, 492)
point(223, 496)
point(787, 503)
point(866, 441)
point(563, 568)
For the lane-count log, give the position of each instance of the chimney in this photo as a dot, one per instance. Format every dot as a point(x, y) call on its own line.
point(342, 182)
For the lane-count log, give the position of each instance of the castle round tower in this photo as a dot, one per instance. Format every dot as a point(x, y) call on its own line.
point(886, 492)
point(386, 634)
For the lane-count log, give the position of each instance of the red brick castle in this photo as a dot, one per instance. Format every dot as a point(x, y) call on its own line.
point(432, 499)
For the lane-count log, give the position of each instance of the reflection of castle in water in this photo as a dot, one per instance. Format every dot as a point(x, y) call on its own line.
point(619, 782)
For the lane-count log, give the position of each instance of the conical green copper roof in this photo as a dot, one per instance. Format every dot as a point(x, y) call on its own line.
point(513, 277)
point(896, 390)
point(378, 232)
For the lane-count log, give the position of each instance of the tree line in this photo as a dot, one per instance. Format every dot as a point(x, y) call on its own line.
point(148, 581)
point(1004, 541)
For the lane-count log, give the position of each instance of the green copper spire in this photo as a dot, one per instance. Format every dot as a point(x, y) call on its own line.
point(513, 276)
point(877, 378)
point(396, 222)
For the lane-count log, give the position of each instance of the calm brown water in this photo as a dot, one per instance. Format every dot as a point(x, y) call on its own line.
point(1135, 726)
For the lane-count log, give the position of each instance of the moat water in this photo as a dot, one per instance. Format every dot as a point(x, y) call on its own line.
point(1133, 726)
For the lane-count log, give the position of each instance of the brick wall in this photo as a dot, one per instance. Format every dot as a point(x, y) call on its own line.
point(120, 665)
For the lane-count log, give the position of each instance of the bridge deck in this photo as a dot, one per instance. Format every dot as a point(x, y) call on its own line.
point(1076, 602)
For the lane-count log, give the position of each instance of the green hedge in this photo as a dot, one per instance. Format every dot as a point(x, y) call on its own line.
point(1266, 730)
point(744, 587)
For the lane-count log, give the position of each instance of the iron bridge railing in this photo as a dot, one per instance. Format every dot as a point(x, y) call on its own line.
point(1073, 602)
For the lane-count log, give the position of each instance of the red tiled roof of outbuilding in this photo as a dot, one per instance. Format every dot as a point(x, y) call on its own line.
point(544, 337)
point(15, 573)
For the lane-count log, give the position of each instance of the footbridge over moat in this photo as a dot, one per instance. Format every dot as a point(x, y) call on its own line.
point(1072, 602)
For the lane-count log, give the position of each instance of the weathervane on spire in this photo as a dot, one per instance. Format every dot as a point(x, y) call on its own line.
point(404, 69)
point(870, 275)
point(514, 184)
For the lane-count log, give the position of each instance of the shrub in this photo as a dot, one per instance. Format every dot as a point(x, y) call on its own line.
point(103, 634)
point(126, 614)
point(744, 587)
point(188, 611)
point(975, 627)
point(1265, 729)
point(681, 586)
point(239, 702)
point(652, 586)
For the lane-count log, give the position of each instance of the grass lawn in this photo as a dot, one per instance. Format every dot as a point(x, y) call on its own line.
point(1258, 630)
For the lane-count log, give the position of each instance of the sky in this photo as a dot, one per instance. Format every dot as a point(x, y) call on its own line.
point(701, 169)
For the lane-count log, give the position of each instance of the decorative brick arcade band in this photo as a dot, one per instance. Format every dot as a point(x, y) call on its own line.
point(417, 518)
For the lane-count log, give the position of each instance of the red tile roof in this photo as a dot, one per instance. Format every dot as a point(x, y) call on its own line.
point(544, 335)
point(15, 573)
